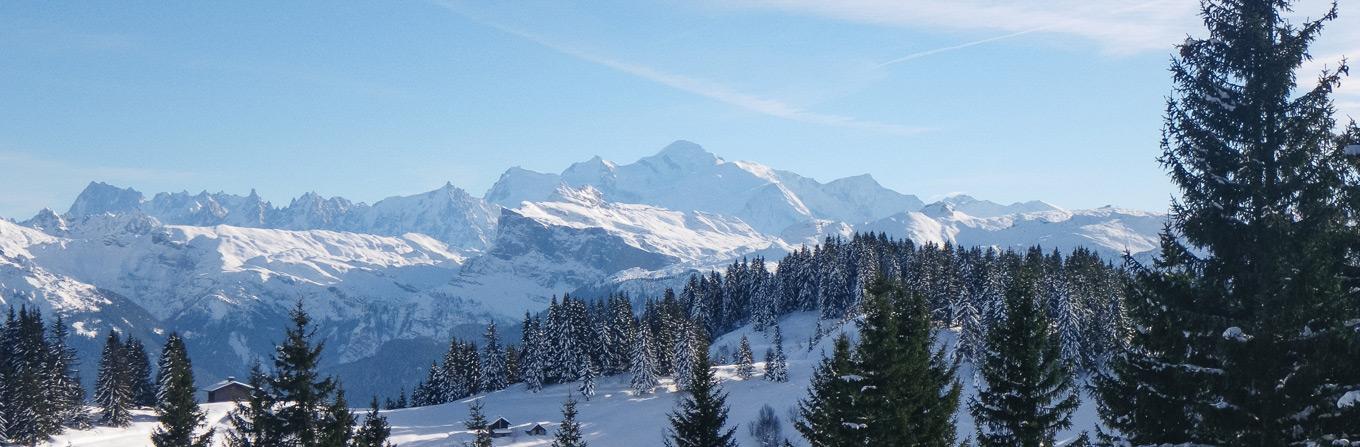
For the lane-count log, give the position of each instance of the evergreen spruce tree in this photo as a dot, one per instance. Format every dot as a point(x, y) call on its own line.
point(431, 390)
point(6, 375)
point(910, 394)
point(587, 388)
point(335, 427)
point(776, 363)
point(494, 374)
point(644, 370)
point(623, 333)
point(683, 355)
point(32, 413)
point(829, 417)
point(972, 333)
point(112, 389)
point(253, 422)
point(1029, 394)
point(512, 370)
point(701, 418)
point(375, 430)
point(7, 390)
point(296, 381)
point(64, 379)
point(177, 409)
point(532, 357)
point(569, 433)
point(139, 373)
point(1245, 327)
point(293, 406)
point(476, 423)
point(745, 360)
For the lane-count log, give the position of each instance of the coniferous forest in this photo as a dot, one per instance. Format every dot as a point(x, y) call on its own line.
point(1243, 329)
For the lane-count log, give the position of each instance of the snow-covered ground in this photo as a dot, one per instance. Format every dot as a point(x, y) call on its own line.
point(615, 416)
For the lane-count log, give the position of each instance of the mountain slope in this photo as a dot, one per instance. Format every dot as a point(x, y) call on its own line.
point(448, 214)
point(685, 177)
point(1110, 231)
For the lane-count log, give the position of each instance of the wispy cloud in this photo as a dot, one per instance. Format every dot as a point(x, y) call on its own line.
point(702, 87)
point(1117, 26)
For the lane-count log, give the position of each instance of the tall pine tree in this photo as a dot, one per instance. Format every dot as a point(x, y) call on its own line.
point(701, 418)
point(139, 373)
point(830, 416)
point(375, 430)
point(776, 363)
point(253, 423)
point(644, 369)
point(745, 359)
point(64, 378)
point(495, 376)
point(177, 408)
point(910, 393)
point(113, 386)
point(569, 433)
point(1029, 394)
point(1246, 330)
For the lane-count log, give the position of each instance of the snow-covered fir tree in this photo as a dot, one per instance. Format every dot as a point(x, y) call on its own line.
point(745, 359)
point(644, 378)
point(139, 372)
point(493, 371)
point(776, 363)
point(683, 356)
point(113, 386)
point(176, 407)
point(532, 356)
point(63, 379)
point(477, 424)
point(587, 388)
point(569, 433)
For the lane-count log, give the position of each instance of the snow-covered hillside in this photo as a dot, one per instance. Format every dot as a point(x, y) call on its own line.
point(615, 416)
point(413, 270)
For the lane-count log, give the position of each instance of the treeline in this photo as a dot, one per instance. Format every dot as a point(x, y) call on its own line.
point(579, 340)
point(576, 340)
point(40, 391)
point(41, 395)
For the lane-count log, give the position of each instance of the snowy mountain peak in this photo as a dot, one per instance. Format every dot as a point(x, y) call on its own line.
point(683, 153)
point(100, 197)
point(47, 221)
point(986, 208)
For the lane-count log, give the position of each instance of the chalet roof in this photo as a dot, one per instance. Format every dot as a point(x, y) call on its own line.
point(225, 383)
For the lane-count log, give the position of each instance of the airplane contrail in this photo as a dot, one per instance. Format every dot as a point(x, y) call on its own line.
point(959, 46)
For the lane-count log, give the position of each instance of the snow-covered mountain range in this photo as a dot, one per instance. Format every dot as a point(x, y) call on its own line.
point(223, 269)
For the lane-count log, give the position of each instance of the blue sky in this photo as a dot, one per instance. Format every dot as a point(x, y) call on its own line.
point(1057, 100)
